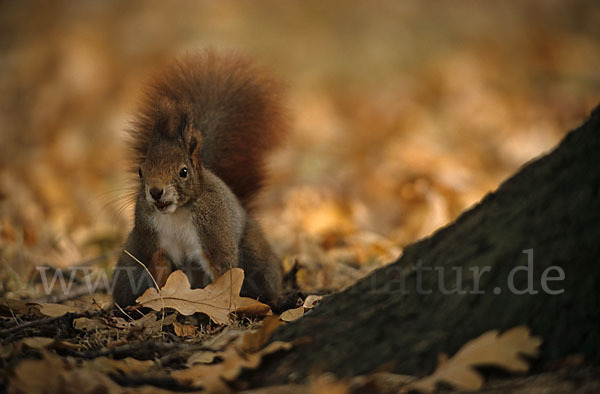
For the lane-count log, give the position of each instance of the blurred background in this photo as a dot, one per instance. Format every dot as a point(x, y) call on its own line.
point(404, 113)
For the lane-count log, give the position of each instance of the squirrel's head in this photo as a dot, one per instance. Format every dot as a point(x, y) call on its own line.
point(170, 175)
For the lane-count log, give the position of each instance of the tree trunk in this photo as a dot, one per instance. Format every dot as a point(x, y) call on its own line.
point(401, 316)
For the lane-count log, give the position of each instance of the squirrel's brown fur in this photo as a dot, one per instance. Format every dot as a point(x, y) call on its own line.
point(199, 144)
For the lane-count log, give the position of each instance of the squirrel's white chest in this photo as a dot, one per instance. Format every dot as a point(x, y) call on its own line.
point(178, 238)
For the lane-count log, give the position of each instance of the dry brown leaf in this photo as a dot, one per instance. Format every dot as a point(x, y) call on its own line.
point(202, 357)
point(55, 310)
point(224, 338)
point(9, 306)
point(257, 309)
point(218, 300)
point(380, 382)
point(127, 365)
point(292, 314)
point(52, 375)
point(6, 351)
point(46, 373)
point(153, 321)
point(489, 349)
point(290, 388)
point(149, 323)
point(85, 323)
point(184, 330)
point(38, 343)
point(322, 384)
point(328, 384)
point(234, 361)
point(311, 301)
point(254, 340)
point(93, 302)
point(45, 343)
point(148, 320)
point(99, 323)
point(244, 353)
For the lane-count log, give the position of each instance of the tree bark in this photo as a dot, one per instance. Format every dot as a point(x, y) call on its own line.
point(546, 215)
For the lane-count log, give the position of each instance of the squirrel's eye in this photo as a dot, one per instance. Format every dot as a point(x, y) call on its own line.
point(183, 172)
point(140, 172)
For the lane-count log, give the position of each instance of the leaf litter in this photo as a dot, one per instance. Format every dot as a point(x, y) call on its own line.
point(115, 345)
point(218, 300)
point(212, 354)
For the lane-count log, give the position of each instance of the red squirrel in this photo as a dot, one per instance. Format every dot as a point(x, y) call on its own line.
point(199, 145)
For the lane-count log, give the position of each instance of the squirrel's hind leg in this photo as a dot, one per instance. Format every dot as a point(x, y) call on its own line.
point(263, 273)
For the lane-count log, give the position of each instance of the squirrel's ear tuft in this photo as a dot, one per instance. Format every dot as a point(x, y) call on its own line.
point(192, 145)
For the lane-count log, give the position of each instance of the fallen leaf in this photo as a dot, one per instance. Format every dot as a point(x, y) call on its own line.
point(202, 357)
point(380, 382)
point(252, 341)
point(6, 351)
point(9, 306)
point(246, 352)
point(311, 301)
point(37, 342)
point(328, 384)
point(184, 330)
point(126, 365)
point(502, 350)
point(149, 323)
point(218, 300)
point(52, 374)
point(46, 372)
point(94, 302)
point(224, 338)
point(55, 310)
point(152, 322)
point(292, 314)
point(85, 323)
point(233, 363)
point(257, 309)
point(321, 384)
point(45, 343)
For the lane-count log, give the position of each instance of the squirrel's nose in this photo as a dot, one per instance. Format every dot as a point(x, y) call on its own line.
point(156, 193)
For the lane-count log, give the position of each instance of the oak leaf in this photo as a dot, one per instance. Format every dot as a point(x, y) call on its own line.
point(234, 361)
point(218, 300)
point(246, 352)
point(52, 374)
point(502, 350)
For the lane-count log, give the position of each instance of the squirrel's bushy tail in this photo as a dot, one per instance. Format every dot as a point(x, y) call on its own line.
point(235, 105)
